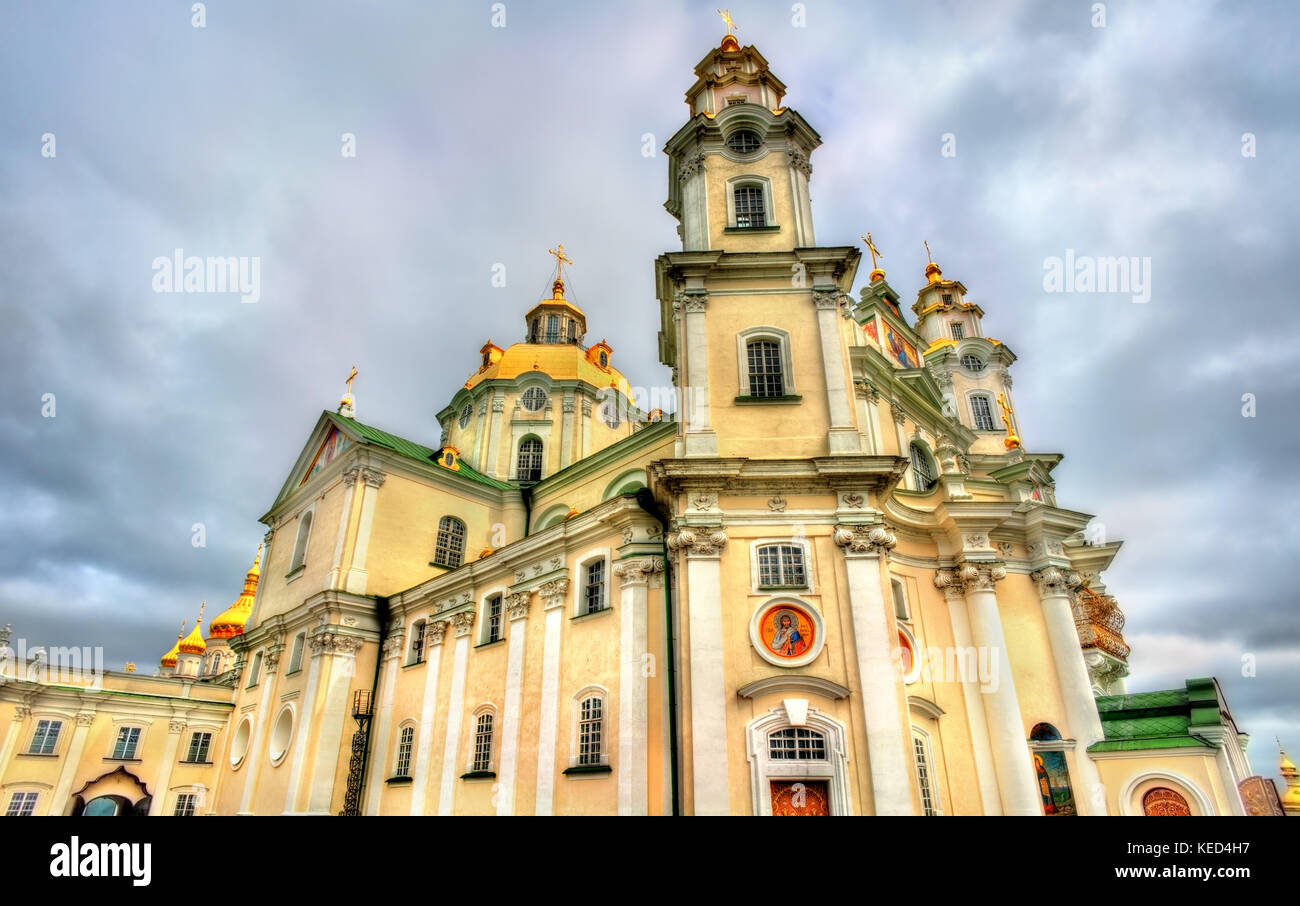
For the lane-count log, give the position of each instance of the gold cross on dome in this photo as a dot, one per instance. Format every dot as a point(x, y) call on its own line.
point(561, 259)
point(871, 247)
point(726, 17)
point(929, 255)
point(351, 377)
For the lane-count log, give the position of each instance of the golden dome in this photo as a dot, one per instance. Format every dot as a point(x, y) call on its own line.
point(193, 643)
point(932, 273)
point(169, 659)
point(230, 623)
point(559, 361)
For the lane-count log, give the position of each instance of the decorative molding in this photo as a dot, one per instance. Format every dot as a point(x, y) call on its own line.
point(85, 718)
point(705, 541)
point(517, 604)
point(777, 504)
point(350, 476)
point(373, 477)
point(853, 500)
point(794, 682)
point(553, 593)
point(638, 570)
point(827, 301)
point(875, 539)
point(690, 165)
point(323, 643)
point(22, 712)
point(176, 726)
point(435, 631)
point(897, 411)
point(462, 622)
point(969, 577)
point(1054, 581)
point(1044, 548)
point(705, 502)
point(499, 404)
point(799, 160)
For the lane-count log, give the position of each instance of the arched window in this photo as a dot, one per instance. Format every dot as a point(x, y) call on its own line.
point(552, 328)
point(487, 360)
point(604, 359)
point(573, 331)
point(900, 599)
point(417, 642)
point(534, 399)
point(450, 549)
point(981, 408)
point(781, 566)
point(402, 763)
point(922, 468)
point(591, 730)
point(465, 414)
point(751, 209)
point(766, 377)
point(1163, 802)
point(483, 742)
point(300, 544)
point(972, 363)
point(744, 141)
point(530, 460)
point(295, 657)
point(925, 772)
point(535, 335)
point(1051, 771)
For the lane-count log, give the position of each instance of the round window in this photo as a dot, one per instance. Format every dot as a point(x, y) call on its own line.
point(239, 745)
point(534, 398)
point(972, 363)
point(744, 141)
point(466, 413)
point(280, 736)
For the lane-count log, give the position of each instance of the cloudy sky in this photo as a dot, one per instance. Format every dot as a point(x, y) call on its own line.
point(479, 145)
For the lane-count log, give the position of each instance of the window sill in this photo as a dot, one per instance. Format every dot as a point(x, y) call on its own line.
point(783, 588)
point(591, 613)
point(294, 672)
point(785, 398)
point(762, 229)
point(493, 642)
point(443, 565)
point(588, 769)
point(124, 760)
point(38, 755)
point(295, 573)
point(419, 663)
point(208, 763)
point(400, 780)
point(479, 775)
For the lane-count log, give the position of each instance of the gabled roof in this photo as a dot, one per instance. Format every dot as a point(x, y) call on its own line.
point(411, 450)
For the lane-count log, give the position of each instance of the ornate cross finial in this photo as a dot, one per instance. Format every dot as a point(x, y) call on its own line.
point(726, 17)
point(351, 377)
point(561, 259)
point(929, 255)
point(1012, 440)
point(875, 252)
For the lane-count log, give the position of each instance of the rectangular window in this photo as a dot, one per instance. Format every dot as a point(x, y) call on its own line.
point(796, 744)
point(186, 804)
point(923, 776)
point(127, 740)
point(900, 600)
point(295, 659)
point(750, 210)
point(417, 643)
point(594, 599)
point(781, 565)
point(493, 618)
point(21, 805)
point(483, 743)
point(404, 741)
point(983, 413)
point(590, 725)
point(46, 737)
point(958, 332)
point(765, 377)
point(255, 673)
point(199, 745)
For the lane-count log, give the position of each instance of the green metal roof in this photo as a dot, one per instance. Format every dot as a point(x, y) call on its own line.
point(412, 450)
point(1157, 720)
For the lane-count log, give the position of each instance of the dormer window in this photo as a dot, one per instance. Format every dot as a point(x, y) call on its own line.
point(604, 360)
point(744, 141)
point(487, 359)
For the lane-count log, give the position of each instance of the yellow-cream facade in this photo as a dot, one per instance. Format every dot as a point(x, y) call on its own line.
point(834, 581)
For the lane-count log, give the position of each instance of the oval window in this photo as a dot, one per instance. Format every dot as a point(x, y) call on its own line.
point(744, 141)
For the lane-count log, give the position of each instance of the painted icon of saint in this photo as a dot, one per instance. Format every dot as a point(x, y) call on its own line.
point(787, 642)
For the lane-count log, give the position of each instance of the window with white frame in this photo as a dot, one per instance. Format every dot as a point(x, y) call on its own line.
point(591, 730)
point(186, 805)
point(295, 657)
point(417, 642)
point(405, 740)
point(128, 740)
point(924, 773)
point(449, 551)
point(958, 330)
point(796, 744)
point(21, 805)
point(483, 742)
point(529, 462)
point(492, 619)
point(972, 363)
point(751, 206)
point(255, 671)
point(200, 744)
point(781, 566)
point(766, 374)
point(593, 587)
point(300, 543)
point(534, 399)
point(922, 469)
point(46, 737)
point(981, 408)
point(900, 599)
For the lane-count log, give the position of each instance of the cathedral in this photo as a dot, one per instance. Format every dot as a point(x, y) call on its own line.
point(824, 576)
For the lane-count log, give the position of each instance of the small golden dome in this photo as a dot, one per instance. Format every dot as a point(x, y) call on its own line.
point(230, 623)
point(193, 643)
point(876, 276)
point(169, 659)
point(932, 273)
point(730, 44)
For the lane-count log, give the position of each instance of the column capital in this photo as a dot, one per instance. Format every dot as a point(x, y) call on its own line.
point(638, 570)
point(690, 302)
point(323, 643)
point(350, 475)
point(22, 712)
point(871, 540)
point(553, 593)
point(827, 300)
point(176, 725)
point(1055, 581)
point(970, 577)
point(434, 631)
point(85, 718)
point(698, 541)
point(517, 604)
point(393, 646)
point(897, 412)
point(374, 478)
point(462, 622)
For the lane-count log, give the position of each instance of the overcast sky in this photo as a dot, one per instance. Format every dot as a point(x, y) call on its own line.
point(478, 145)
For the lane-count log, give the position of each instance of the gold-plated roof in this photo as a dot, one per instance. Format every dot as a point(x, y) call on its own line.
point(193, 643)
point(230, 622)
point(169, 659)
point(559, 361)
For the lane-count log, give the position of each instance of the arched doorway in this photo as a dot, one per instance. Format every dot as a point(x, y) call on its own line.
point(116, 794)
point(1162, 801)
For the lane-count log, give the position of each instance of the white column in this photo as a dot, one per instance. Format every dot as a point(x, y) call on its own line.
point(394, 646)
point(492, 460)
point(434, 633)
point(899, 417)
point(455, 711)
point(1055, 588)
point(702, 549)
point(981, 748)
point(21, 713)
point(566, 430)
point(700, 437)
point(868, 420)
point(174, 730)
point(374, 480)
point(338, 666)
point(299, 754)
point(633, 684)
point(253, 758)
point(800, 171)
point(517, 609)
point(843, 436)
point(554, 595)
point(695, 211)
point(350, 482)
point(58, 804)
point(1017, 781)
point(875, 637)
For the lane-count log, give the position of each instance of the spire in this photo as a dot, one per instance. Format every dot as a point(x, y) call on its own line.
point(877, 273)
point(346, 407)
point(1287, 768)
point(193, 643)
point(1013, 440)
point(169, 659)
point(560, 260)
point(230, 623)
point(932, 272)
point(729, 42)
